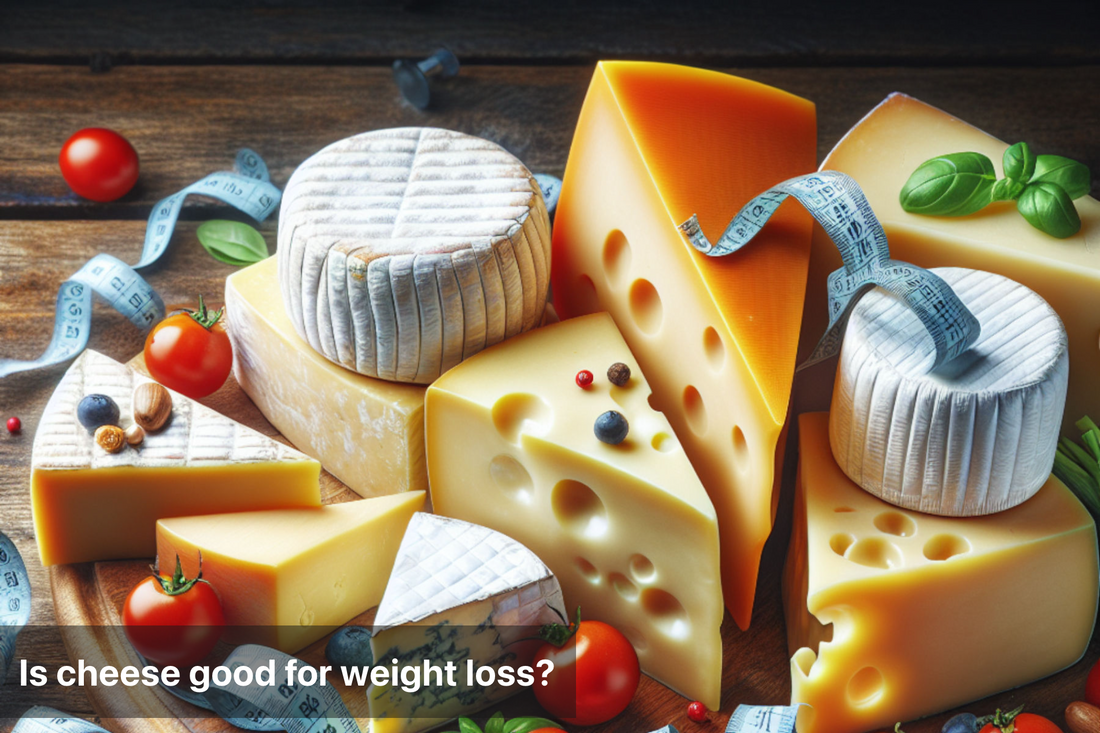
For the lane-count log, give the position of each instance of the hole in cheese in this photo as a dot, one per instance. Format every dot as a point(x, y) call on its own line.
point(664, 442)
point(512, 478)
point(616, 257)
point(695, 410)
point(945, 546)
point(645, 306)
point(843, 509)
point(841, 542)
point(875, 552)
point(641, 567)
point(714, 348)
point(895, 523)
point(740, 449)
point(623, 586)
point(521, 412)
point(667, 613)
point(866, 686)
point(587, 570)
point(578, 509)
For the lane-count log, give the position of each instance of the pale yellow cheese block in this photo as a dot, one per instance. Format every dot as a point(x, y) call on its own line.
point(893, 615)
point(367, 432)
point(627, 529)
point(880, 153)
point(287, 577)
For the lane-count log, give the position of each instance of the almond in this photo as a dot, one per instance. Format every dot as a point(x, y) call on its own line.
point(152, 406)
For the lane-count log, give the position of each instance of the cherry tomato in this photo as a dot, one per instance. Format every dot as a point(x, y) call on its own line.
point(190, 352)
point(99, 164)
point(14, 425)
point(697, 711)
point(594, 677)
point(1092, 686)
point(173, 620)
point(1020, 723)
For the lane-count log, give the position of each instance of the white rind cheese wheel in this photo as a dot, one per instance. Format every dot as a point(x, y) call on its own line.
point(403, 252)
point(974, 437)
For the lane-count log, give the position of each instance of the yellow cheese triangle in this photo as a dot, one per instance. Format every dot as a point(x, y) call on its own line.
point(716, 337)
point(287, 577)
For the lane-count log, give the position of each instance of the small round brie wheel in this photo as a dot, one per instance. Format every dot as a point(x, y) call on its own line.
point(403, 252)
point(976, 436)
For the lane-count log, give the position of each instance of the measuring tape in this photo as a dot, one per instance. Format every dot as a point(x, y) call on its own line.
point(551, 191)
point(763, 719)
point(838, 204)
point(248, 188)
point(15, 601)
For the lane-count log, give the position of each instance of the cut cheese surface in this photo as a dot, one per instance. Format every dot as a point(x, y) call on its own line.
point(367, 432)
point(511, 446)
point(975, 436)
point(287, 577)
point(89, 504)
point(716, 337)
point(893, 615)
point(880, 153)
point(453, 582)
point(404, 251)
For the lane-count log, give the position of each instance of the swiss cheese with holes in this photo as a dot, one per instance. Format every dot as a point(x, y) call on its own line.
point(403, 252)
point(893, 615)
point(627, 529)
point(716, 337)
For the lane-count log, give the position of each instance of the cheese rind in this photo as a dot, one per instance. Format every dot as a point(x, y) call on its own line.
point(975, 436)
point(404, 251)
point(458, 593)
point(511, 446)
point(656, 143)
point(367, 432)
point(287, 577)
point(89, 504)
point(880, 153)
point(893, 615)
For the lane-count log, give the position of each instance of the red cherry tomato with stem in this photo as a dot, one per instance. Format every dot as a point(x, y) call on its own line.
point(173, 620)
point(99, 164)
point(595, 672)
point(1016, 721)
point(190, 352)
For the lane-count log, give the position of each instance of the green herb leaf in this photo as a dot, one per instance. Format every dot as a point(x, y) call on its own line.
point(1078, 469)
point(232, 242)
point(1006, 189)
point(1019, 163)
point(950, 185)
point(1048, 208)
point(495, 724)
point(1072, 176)
point(465, 725)
point(526, 725)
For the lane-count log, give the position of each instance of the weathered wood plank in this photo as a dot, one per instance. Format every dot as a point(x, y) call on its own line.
point(795, 32)
point(187, 121)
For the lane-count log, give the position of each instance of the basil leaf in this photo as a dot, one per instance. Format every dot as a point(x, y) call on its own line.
point(950, 185)
point(1072, 176)
point(1019, 163)
point(526, 725)
point(1048, 208)
point(465, 725)
point(495, 724)
point(1006, 189)
point(232, 242)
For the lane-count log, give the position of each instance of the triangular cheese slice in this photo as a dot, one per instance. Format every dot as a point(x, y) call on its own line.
point(462, 594)
point(894, 615)
point(511, 446)
point(287, 577)
point(89, 504)
point(716, 337)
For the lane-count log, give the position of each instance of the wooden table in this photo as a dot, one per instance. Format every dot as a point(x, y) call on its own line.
point(189, 87)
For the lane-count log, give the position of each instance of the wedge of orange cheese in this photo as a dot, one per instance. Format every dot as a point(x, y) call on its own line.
point(715, 337)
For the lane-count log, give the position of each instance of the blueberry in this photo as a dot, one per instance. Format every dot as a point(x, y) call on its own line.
point(962, 723)
point(96, 410)
point(350, 647)
point(612, 427)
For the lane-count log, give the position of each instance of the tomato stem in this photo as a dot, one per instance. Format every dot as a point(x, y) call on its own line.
point(205, 318)
point(178, 584)
point(1001, 720)
point(559, 634)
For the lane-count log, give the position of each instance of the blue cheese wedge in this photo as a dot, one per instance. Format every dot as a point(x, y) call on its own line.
point(459, 593)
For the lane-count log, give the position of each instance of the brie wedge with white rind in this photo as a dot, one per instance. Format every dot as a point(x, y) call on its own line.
point(90, 505)
point(458, 592)
point(404, 251)
point(976, 436)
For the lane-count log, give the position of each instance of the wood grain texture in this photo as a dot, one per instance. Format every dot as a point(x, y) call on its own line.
point(795, 32)
point(187, 122)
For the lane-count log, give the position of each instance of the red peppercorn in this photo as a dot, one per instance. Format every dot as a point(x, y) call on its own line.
point(14, 425)
point(584, 379)
point(697, 711)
